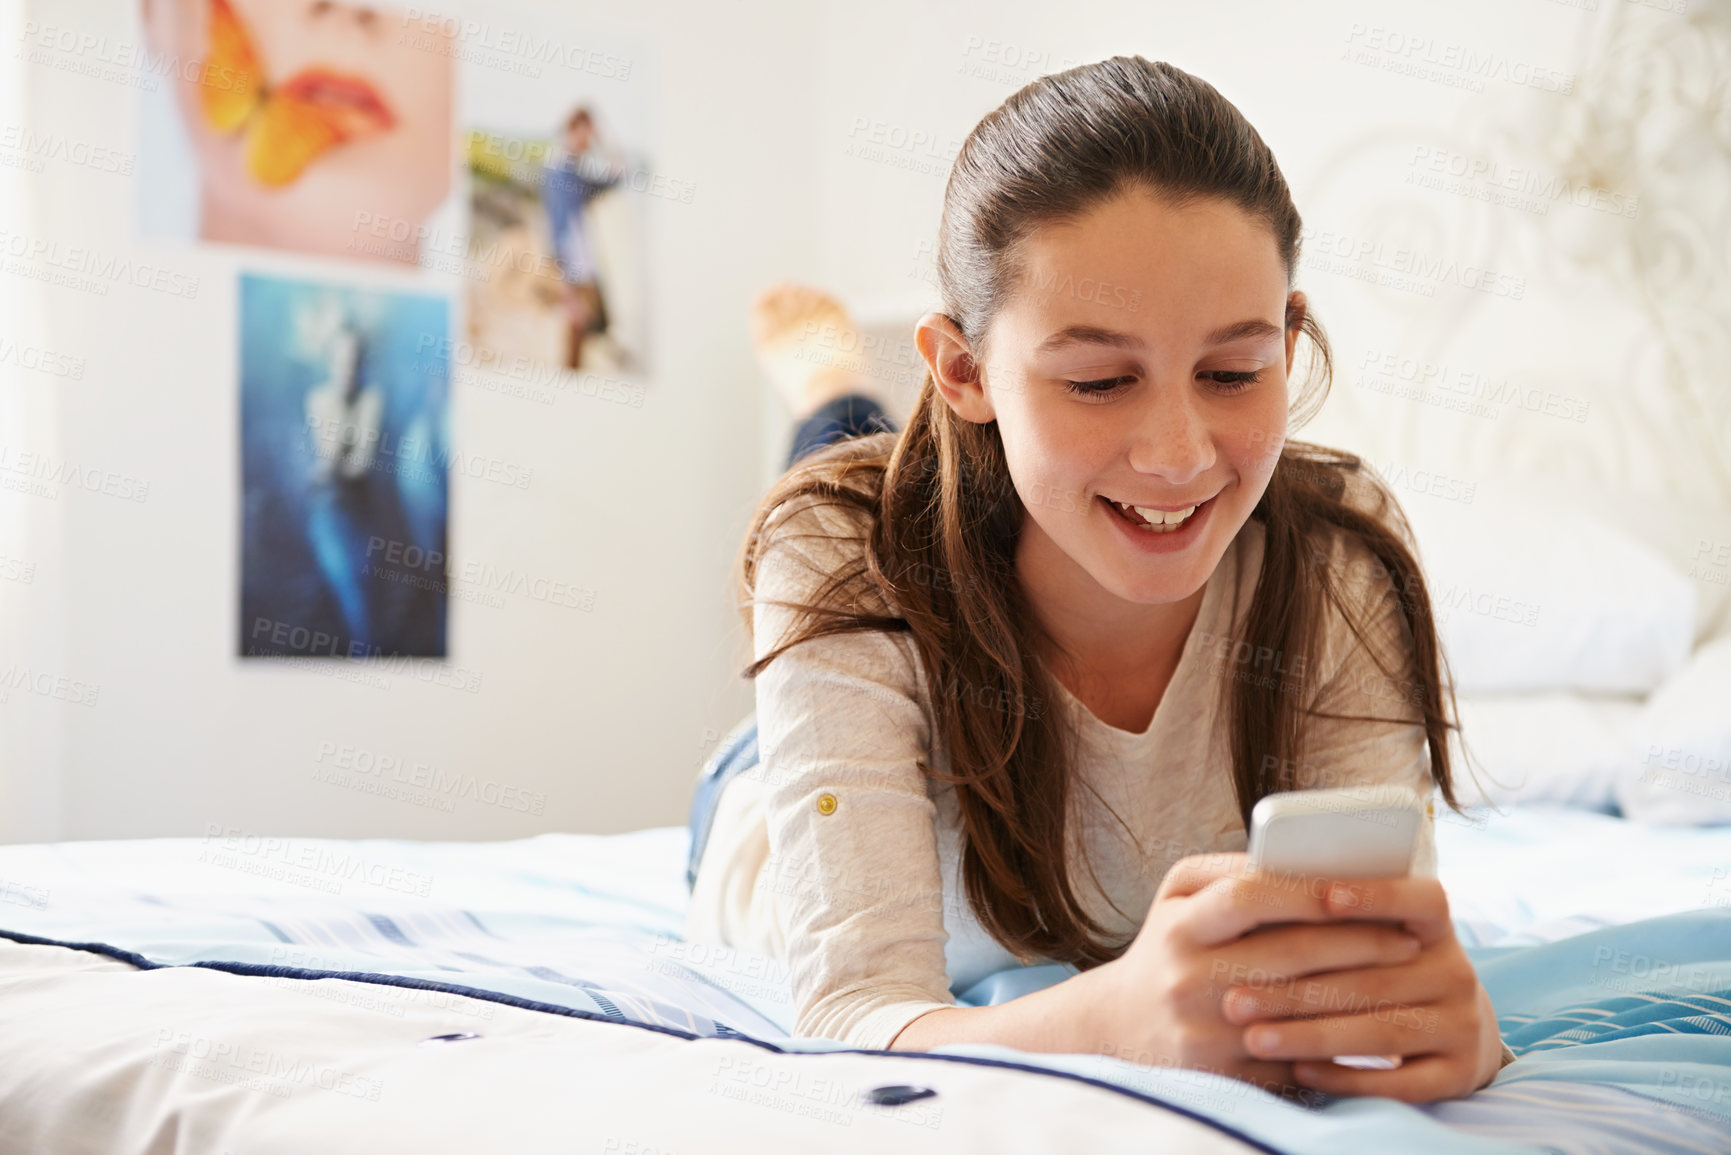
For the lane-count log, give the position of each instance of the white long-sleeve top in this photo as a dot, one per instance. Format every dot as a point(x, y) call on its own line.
point(839, 856)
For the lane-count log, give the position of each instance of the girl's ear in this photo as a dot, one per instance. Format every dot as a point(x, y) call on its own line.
point(955, 372)
point(1297, 305)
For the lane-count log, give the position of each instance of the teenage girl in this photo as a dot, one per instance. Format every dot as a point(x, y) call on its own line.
point(1024, 666)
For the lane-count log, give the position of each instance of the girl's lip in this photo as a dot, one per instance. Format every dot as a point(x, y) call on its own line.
point(339, 93)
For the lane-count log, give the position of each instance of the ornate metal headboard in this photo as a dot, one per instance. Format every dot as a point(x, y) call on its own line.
point(1600, 352)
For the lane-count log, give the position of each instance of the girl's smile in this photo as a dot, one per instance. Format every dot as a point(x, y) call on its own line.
point(1165, 538)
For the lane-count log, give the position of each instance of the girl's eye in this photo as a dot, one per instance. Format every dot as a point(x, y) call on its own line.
point(1098, 388)
point(1233, 382)
point(1224, 381)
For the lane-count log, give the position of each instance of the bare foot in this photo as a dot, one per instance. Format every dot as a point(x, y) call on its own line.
point(808, 347)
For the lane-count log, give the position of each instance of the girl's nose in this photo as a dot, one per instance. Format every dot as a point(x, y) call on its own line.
point(1170, 440)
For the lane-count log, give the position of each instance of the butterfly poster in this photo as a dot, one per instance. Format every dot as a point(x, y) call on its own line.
point(322, 128)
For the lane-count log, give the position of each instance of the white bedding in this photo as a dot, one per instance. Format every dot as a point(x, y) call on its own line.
point(190, 1059)
point(1537, 873)
point(97, 1058)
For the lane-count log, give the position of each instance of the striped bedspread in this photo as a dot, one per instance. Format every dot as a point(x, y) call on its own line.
point(585, 922)
point(1623, 1032)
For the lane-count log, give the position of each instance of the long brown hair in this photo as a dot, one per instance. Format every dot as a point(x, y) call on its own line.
point(943, 516)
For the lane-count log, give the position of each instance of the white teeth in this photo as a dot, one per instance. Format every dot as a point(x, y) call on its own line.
point(1159, 521)
point(1156, 517)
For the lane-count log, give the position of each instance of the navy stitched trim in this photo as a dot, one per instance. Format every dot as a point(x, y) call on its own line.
point(265, 970)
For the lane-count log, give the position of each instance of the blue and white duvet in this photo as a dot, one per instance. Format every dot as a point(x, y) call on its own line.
point(1624, 1031)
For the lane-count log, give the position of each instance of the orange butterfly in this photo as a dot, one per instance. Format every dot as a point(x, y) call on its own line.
point(287, 126)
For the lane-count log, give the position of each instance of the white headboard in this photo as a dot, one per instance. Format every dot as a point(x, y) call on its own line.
point(1597, 366)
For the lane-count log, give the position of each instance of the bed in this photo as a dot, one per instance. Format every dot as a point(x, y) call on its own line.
point(240, 994)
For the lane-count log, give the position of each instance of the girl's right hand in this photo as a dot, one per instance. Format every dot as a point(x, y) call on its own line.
point(1215, 925)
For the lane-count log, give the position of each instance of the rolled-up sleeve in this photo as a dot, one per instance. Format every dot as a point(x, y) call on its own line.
point(853, 865)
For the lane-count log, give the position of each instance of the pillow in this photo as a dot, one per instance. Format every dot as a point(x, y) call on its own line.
point(1694, 534)
point(1537, 596)
point(1558, 747)
point(1682, 747)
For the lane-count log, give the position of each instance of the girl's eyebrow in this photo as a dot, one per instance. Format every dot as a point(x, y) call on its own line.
point(1094, 335)
point(1088, 335)
point(1255, 327)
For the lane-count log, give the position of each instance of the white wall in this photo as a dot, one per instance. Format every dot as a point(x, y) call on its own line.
point(606, 712)
point(30, 529)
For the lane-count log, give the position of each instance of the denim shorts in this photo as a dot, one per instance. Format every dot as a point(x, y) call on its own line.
point(851, 415)
point(736, 754)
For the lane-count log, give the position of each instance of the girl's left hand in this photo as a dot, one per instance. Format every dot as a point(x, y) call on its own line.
point(1432, 1010)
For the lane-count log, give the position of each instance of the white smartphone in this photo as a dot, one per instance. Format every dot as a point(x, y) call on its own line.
point(1347, 832)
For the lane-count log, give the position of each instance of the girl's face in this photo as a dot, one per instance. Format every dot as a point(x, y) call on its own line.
point(1141, 360)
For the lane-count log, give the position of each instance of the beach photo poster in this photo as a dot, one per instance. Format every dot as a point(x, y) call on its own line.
point(561, 184)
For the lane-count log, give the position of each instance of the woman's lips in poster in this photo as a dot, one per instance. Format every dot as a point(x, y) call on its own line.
point(312, 112)
point(287, 125)
point(348, 101)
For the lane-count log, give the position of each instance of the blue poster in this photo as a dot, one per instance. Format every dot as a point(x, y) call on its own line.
point(345, 454)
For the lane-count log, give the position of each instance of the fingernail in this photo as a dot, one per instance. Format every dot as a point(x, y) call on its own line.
point(1264, 1038)
point(1339, 895)
point(1409, 944)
